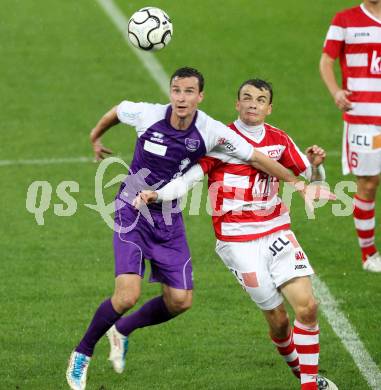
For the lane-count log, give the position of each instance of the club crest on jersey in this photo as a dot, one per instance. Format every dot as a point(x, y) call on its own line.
point(192, 144)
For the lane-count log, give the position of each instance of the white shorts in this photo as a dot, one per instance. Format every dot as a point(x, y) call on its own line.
point(361, 149)
point(262, 265)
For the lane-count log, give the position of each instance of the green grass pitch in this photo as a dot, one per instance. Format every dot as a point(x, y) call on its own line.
point(62, 65)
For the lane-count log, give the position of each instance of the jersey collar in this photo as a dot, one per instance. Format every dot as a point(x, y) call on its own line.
point(367, 13)
point(255, 133)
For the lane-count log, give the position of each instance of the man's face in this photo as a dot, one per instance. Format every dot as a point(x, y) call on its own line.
point(253, 105)
point(185, 96)
point(372, 1)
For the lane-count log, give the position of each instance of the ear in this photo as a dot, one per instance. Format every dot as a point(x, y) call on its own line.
point(201, 97)
point(270, 109)
point(237, 106)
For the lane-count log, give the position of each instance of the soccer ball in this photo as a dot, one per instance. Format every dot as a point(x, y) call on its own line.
point(150, 28)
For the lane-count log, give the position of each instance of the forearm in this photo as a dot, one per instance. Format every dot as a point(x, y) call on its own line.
point(106, 122)
point(316, 173)
point(272, 167)
point(328, 74)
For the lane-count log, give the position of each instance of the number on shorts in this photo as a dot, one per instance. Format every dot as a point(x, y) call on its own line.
point(354, 160)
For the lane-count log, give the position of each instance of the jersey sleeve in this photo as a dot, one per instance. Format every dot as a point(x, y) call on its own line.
point(225, 140)
point(292, 158)
point(130, 113)
point(178, 187)
point(137, 114)
point(335, 39)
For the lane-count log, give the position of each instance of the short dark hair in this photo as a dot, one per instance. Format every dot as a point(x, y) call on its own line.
point(189, 72)
point(260, 84)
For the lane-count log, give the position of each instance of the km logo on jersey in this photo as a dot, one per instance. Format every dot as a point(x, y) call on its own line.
point(375, 65)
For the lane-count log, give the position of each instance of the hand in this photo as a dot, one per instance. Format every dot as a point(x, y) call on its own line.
point(144, 197)
point(342, 101)
point(312, 192)
point(316, 155)
point(100, 150)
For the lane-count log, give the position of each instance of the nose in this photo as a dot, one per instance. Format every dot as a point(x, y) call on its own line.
point(181, 96)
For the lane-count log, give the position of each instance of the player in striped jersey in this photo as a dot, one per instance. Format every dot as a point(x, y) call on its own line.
point(355, 38)
point(252, 226)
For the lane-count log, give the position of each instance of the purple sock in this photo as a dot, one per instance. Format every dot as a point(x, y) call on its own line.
point(152, 312)
point(104, 318)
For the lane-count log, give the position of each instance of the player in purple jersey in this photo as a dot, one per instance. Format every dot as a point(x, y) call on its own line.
point(171, 138)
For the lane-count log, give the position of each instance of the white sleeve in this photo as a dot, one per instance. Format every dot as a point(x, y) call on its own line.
point(179, 187)
point(130, 113)
point(221, 138)
point(140, 115)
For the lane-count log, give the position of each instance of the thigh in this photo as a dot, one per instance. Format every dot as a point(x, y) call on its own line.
point(130, 247)
point(250, 267)
point(361, 149)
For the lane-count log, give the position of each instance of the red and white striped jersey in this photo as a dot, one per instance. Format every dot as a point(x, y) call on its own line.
point(355, 37)
point(245, 201)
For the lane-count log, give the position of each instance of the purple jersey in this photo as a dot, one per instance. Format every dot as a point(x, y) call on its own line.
point(168, 153)
point(163, 153)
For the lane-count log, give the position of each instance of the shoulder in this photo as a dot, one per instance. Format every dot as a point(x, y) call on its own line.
point(205, 122)
point(140, 107)
point(275, 132)
point(347, 16)
point(210, 128)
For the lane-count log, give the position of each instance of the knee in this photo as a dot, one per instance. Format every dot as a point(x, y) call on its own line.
point(179, 303)
point(307, 313)
point(123, 301)
point(367, 186)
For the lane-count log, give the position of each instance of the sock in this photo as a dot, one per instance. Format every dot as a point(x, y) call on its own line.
point(102, 321)
point(364, 217)
point(286, 348)
point(152, 312)
point(307, 345)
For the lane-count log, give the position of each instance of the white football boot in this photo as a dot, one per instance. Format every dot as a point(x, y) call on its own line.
point(76, 373)
point(373, 263)
point(325, 384)
point(118, 349)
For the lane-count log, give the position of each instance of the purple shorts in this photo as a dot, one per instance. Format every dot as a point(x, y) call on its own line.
point(164, 245)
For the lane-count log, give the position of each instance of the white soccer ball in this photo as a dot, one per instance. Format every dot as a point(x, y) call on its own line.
point(150, 28)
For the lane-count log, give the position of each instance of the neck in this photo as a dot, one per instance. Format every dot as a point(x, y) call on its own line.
point(251, 128)
point(374, 9)
point(180, 123)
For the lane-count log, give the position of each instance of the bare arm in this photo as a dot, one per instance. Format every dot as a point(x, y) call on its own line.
point(309, 192)
point(107, 121)
point(339, 95)
point(260, 161)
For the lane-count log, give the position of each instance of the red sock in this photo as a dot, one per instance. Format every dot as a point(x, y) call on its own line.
point(364, 217)
point(287, 350)
point(307, 345)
